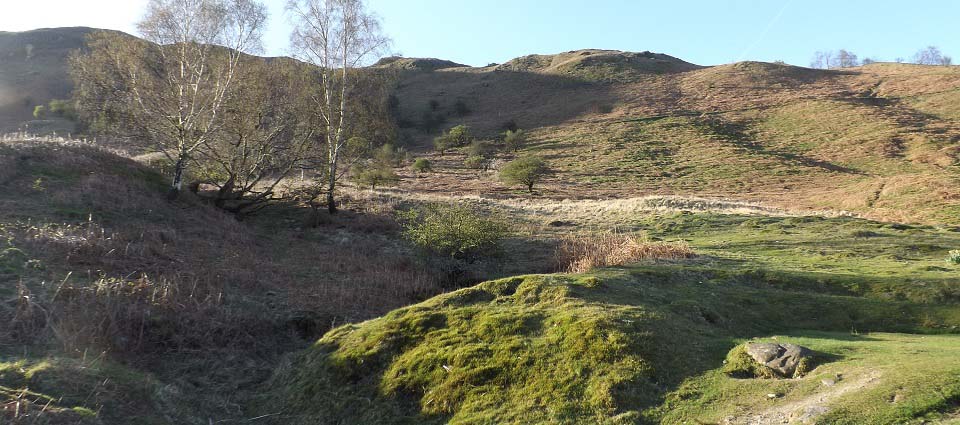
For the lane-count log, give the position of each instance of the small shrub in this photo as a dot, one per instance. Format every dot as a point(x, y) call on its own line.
point(376, 175)
point(527, 171)
point(457, 136)
point(954, 257)
point(454, 231)
point(476, 162)
point(481, 148)
point(580, 254)
point(390, 155)
point(39, 111)
point(421, 166)
point(514, 140)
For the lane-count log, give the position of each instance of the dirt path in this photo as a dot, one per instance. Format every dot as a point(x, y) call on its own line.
point(807, 410)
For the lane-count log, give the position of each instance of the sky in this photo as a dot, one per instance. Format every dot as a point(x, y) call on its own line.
point(705, 32)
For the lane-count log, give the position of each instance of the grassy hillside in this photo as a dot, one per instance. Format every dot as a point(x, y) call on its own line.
point(881, 140)
point(33, 71)
point(118, 306)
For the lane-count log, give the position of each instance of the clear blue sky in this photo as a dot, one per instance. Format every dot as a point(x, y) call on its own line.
point(477, 32)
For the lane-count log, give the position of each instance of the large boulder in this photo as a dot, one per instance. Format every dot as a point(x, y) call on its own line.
point(768, 360)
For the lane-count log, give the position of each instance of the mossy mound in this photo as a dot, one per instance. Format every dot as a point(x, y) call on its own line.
point(604, 348)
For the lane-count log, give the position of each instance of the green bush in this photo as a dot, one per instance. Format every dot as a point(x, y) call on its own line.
point(954, 257)
point(454, 231)
point(422, 165)
point(476, 162)
point(481, 148)
point(62, 108)
point(527, 171)
point(390, 155)
point(39, 111)
point(456, 137)
point(376, 175)
point(514, 140)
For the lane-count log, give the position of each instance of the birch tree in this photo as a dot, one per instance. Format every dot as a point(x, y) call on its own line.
point(169, 89)
point(338, 36)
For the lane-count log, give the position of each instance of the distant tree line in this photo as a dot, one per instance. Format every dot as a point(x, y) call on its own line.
point(843, 58)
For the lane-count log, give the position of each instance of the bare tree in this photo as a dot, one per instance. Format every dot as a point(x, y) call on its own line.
point(822, 60)
point(931, 55)
point(846, 59)
point(338, 36)
point(169, 88)
point(261, 139)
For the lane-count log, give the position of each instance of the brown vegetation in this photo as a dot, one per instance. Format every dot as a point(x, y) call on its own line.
point(584, 252)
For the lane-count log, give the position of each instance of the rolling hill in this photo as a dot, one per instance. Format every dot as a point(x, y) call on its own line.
point(879, 141)
point(119, 306)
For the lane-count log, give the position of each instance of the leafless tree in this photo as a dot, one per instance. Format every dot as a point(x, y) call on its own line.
point(931, 55)
point(169, 88)
point(822, 60)
point(261, 141)
point(846, 59)
point(338, 36)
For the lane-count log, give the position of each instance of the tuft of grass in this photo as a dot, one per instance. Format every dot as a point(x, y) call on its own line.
point(739, 364)
point(582, 253)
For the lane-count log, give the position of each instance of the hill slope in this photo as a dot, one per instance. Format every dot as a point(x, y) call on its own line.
point(33, 70)
point(882, 140)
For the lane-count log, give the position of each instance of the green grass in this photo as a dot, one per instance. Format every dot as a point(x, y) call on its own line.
point(606, 347)
point(882, 378)
point(65, 390)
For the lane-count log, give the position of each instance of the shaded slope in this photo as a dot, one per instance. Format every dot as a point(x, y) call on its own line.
point(33, 70)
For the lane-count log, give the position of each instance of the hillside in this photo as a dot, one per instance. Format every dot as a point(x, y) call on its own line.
point(812, 207)
point(880, 140)
point(33, 72)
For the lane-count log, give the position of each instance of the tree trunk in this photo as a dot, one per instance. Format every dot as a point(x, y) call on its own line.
point(332, 185)
point(530, 187)
point(177, 177)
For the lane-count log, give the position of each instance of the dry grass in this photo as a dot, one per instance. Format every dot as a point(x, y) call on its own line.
point(582, 253)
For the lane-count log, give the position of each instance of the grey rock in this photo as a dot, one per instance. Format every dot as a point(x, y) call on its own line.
point(783, 358)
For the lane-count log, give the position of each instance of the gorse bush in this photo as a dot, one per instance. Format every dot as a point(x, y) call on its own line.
point(454, 231)
point(580, 254)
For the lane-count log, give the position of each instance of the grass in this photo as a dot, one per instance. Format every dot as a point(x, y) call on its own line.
point(58, 390)
point(604, 347)
point(878, 378)
point(580, 254)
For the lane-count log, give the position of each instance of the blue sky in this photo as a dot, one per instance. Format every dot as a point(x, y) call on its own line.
point(478, 32)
